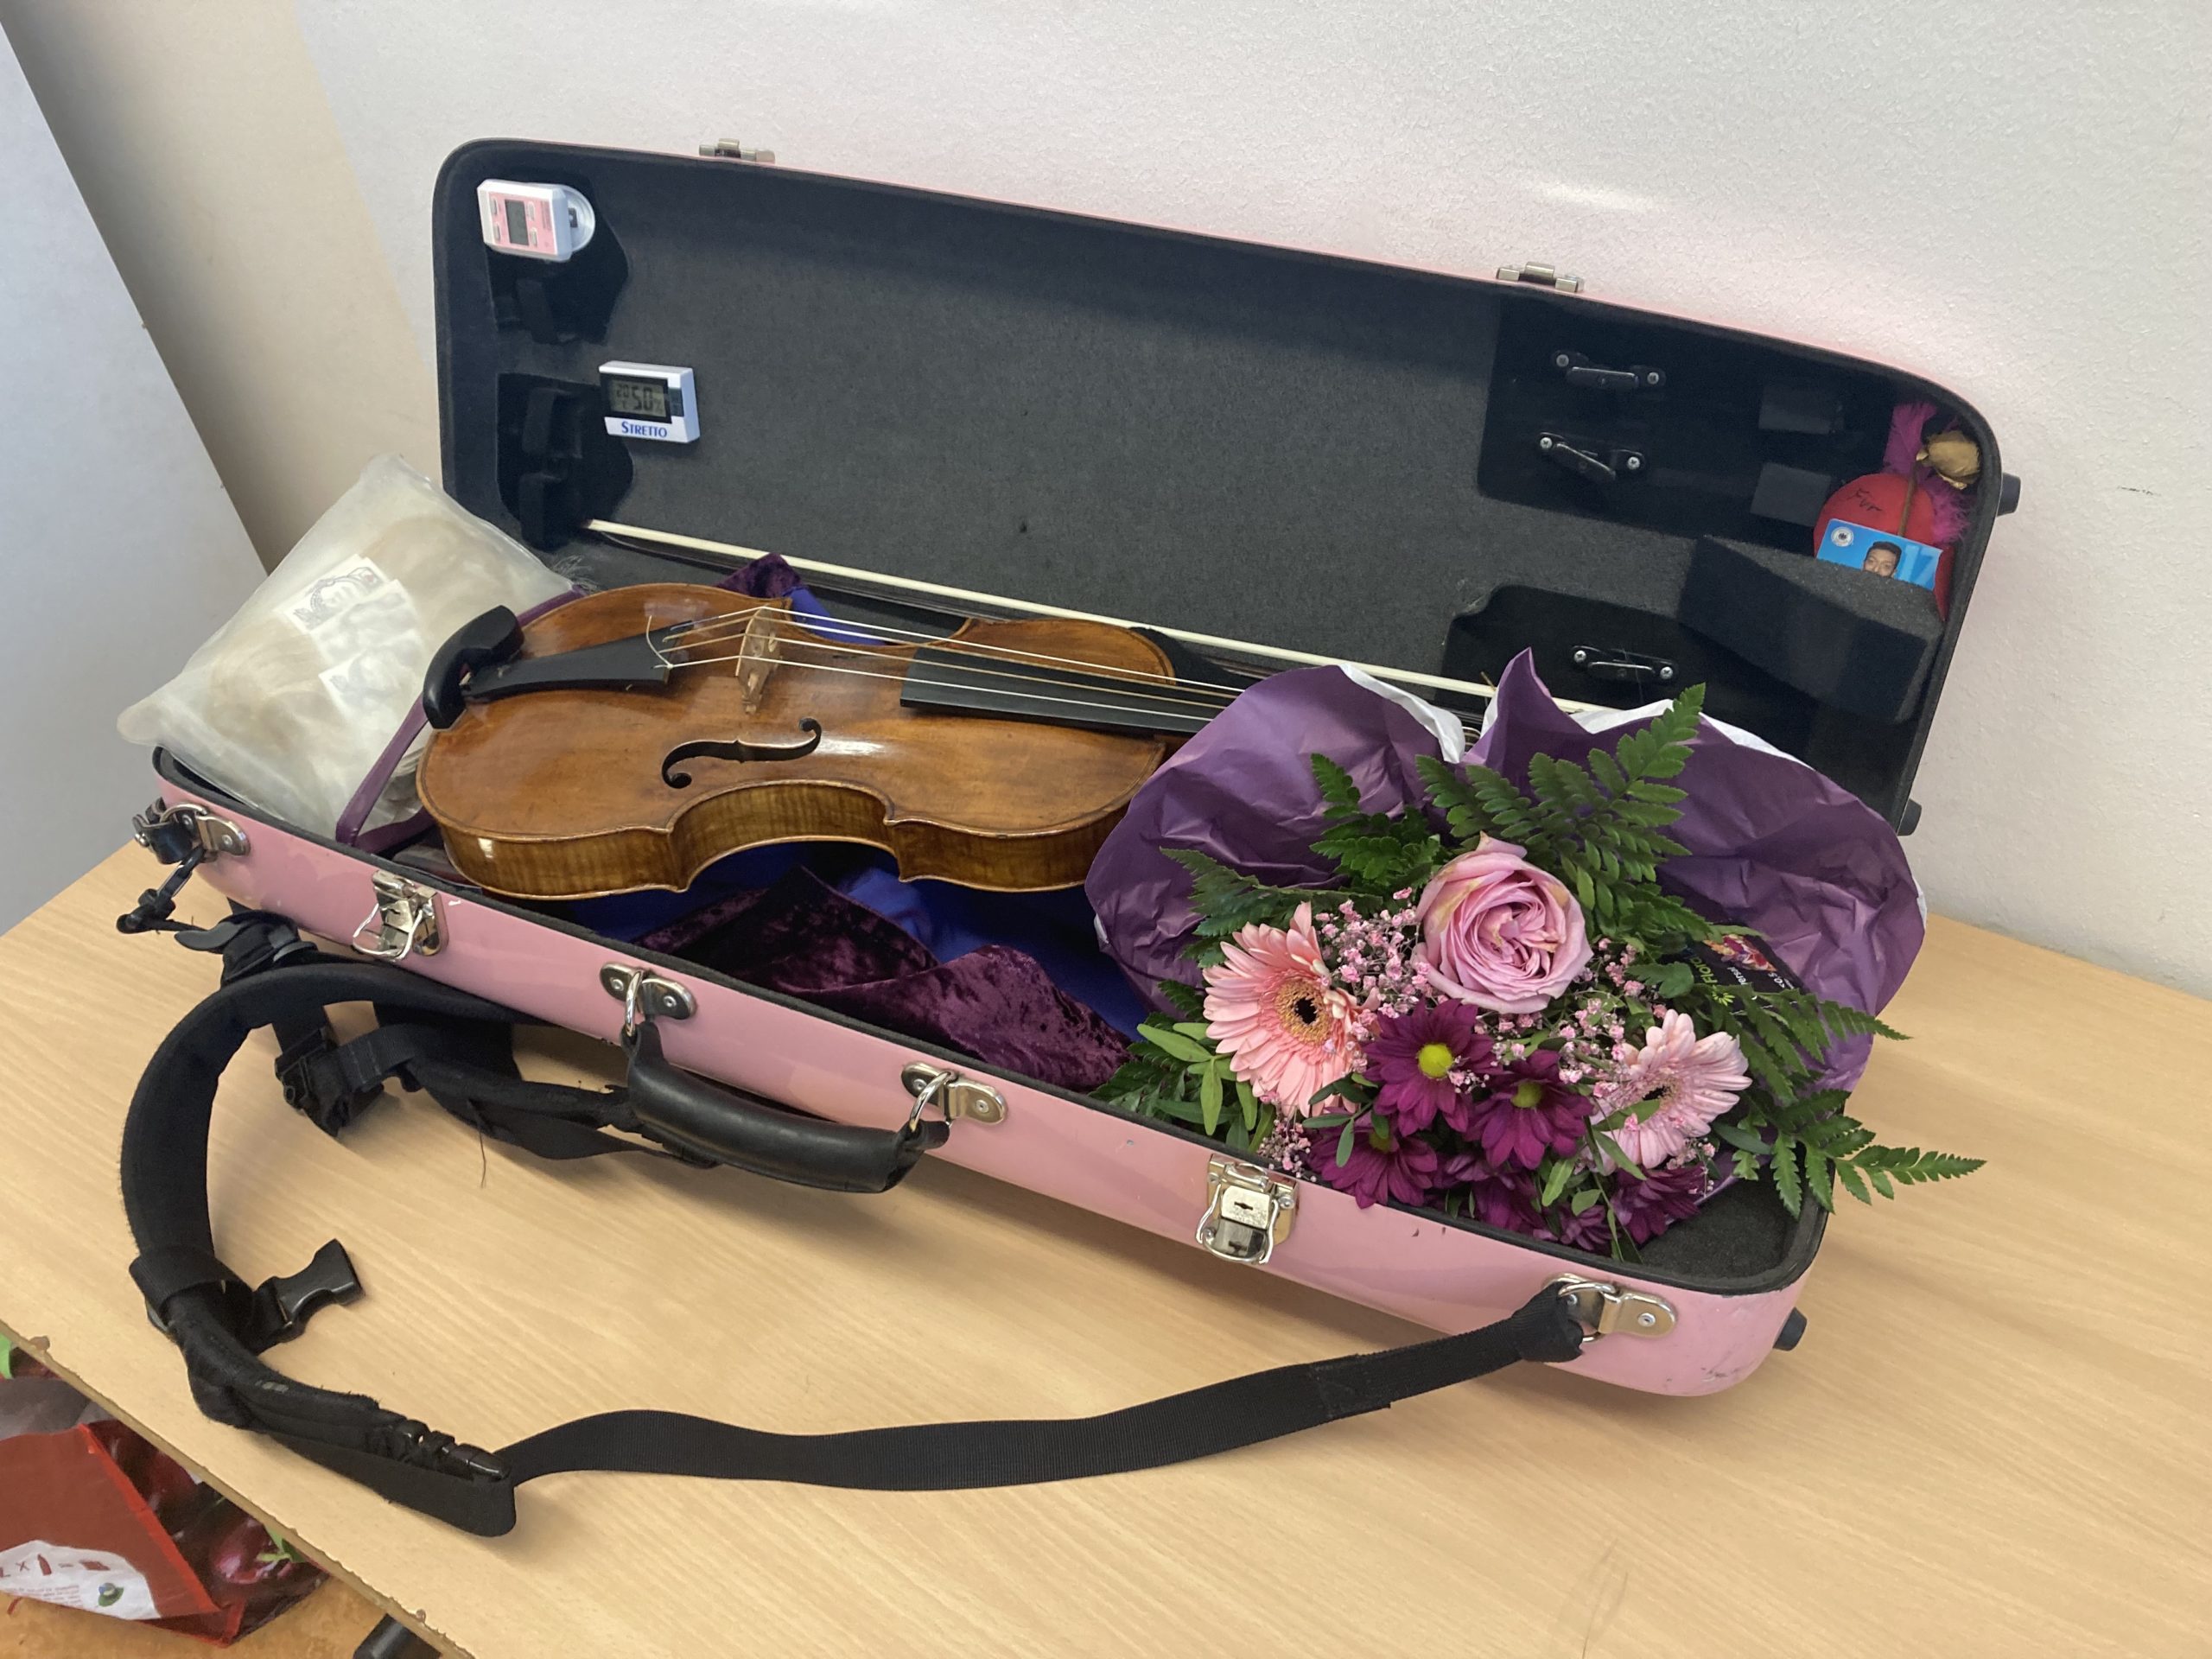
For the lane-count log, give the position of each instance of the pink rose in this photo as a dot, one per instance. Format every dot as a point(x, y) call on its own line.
point(1500, 933)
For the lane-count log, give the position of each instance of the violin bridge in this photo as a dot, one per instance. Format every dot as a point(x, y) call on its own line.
point(757, 655)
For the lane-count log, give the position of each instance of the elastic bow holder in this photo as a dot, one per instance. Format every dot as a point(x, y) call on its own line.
point(457, 1048)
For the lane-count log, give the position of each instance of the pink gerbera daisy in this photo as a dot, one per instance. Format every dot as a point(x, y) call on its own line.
point(1270, 1006)
point(1679, 1084)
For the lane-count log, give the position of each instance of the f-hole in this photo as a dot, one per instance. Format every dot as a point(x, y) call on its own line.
point(672, 771)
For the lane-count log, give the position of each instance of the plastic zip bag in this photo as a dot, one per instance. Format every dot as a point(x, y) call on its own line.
point(294, 703)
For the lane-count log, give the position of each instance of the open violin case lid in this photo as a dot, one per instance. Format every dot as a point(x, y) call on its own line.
point(1316, 456)
point(1422, 472)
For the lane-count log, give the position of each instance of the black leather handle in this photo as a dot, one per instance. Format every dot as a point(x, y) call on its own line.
point(724, 1126)
point(494, 637)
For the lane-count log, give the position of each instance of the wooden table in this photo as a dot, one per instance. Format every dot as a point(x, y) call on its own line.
point(1991, 1441)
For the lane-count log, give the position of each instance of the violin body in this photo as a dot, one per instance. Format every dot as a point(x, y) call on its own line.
point(783, 732)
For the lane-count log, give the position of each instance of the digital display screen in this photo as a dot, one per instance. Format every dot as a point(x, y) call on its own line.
point(647, 400)
point(517, 221)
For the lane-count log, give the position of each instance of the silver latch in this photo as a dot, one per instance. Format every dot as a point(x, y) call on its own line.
point(953, 1093)
point(730, 150)
point(1248, 1211)
point(1541, 276)
point(645, 996)
point(212, 833)
point(404, 923)
point(1603, 1309)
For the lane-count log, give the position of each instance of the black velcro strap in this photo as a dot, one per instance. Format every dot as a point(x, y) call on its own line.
point(160, 1273)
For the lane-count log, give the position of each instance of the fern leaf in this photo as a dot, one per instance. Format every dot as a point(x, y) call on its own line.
point(1338, 793)
point(1910, 1164)
point(1607, 771)
point(1819, 1179)
point(1189, 1000)
point(1845, 1021)
point(1226, 900)
point(1787, 1185)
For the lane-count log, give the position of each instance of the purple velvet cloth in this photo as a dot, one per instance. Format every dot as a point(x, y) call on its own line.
point(1772, 843)
point(769, 577)
point(801, 936)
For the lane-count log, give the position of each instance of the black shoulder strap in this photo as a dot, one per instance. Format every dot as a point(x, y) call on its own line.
point(432, 1038)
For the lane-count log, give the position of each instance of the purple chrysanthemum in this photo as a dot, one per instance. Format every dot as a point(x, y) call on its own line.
point(1502, 1199)
point(1648, 1207)
point(1380, 1165)
point(1527, 1112)
point(1413, 1056)
point(1586, 1231)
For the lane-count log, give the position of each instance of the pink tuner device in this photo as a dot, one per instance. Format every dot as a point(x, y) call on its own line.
point(538, 221)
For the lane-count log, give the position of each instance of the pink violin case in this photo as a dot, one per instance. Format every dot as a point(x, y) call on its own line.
point(1324, 458)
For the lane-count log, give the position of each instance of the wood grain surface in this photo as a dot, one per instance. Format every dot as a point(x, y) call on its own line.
point(1990, 1440)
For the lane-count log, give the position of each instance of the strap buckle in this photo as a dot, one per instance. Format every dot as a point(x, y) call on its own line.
point(281, 1306)
point(273, 1311)
point(319, 1084)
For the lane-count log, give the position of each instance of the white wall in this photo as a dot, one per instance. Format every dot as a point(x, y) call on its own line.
point(118, 549)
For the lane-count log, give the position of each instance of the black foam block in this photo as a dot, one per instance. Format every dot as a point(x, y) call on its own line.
point(1851, 641)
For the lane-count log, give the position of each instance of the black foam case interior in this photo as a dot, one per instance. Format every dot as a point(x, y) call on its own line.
point(1242, 441)
point(1292, 448)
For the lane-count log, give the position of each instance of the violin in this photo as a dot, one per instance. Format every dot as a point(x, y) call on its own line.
point(629, 738)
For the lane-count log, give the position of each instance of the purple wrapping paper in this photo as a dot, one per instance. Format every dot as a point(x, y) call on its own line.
point(1772, 843)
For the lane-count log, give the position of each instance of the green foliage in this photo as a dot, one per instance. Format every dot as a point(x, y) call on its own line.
point(1786, 1034)
point(1379, 852)
point(1599, 829)
point(1189, 1000)
point(1226, 900)
point(1173, 1072)
point(1811, 1144)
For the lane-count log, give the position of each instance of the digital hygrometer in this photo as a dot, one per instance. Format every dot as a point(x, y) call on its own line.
point(538, 221)
point(650, 400)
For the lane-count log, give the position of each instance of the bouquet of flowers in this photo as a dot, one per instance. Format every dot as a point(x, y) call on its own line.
point(1493, 1006)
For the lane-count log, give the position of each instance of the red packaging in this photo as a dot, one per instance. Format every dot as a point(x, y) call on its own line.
point(99, 1518)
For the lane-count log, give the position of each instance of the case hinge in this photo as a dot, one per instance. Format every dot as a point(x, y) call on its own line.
point(1601, 1309)
point(730, 150)
point(402, 922)
point(1541, 276)
point(1248, 1211)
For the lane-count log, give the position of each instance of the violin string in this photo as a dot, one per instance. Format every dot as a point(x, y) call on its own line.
point(716, 629)
point(882, 587)
point(681, 636)
point(1159, 691)
point(1091, 704)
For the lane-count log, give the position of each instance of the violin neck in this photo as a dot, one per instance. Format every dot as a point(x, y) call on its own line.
point(944, 682)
